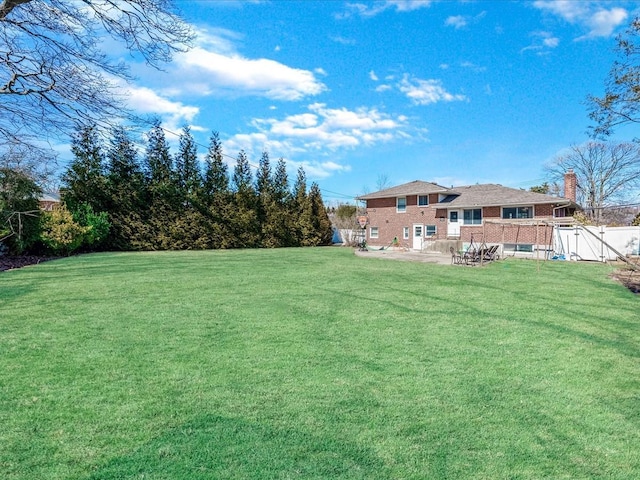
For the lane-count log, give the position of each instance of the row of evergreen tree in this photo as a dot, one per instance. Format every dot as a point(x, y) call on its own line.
point(160, 201)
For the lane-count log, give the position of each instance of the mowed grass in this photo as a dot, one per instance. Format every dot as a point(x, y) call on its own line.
point(316, 363)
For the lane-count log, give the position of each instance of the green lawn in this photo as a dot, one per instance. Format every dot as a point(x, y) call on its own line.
point(316, 363)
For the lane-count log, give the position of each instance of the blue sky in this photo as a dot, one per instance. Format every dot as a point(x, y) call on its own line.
point(455, 92)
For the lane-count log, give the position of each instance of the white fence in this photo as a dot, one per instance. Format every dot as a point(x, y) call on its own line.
point(596, 243)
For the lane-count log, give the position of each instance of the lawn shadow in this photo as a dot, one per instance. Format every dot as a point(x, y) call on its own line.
point(213, 446)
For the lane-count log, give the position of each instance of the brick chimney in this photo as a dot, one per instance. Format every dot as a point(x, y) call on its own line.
point(570, 183)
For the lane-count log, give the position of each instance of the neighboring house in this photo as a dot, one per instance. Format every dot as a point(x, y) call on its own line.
point(49, 201)
point(420, 214)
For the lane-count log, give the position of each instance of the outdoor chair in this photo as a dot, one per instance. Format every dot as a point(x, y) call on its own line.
point(492, 253)
point(470, 256)
point(456, 258)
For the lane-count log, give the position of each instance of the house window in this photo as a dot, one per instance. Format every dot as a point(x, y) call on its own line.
point(423, 200)
point(373, 232)
point(472, 217)
point(518, 247)
point(560, 212)
point(517, 212)
point(401, 204)
point(405, 233)
point(429, 230)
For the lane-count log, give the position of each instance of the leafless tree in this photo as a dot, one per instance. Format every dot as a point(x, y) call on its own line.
point(32, 163)
point(55, 76)
point(382, 182)
point(607, 173)
point(620, 103)
point(343, 219)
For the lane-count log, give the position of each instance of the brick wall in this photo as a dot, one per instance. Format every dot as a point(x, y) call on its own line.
point(382, 214)
point(507, 233)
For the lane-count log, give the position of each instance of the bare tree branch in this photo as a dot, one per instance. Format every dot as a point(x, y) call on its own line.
point(54, 76)
point(607, 173)
point(620, 103)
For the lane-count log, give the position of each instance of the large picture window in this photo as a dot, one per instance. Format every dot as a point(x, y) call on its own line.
point(472, 217)
point(401, 204)
point(517, 212)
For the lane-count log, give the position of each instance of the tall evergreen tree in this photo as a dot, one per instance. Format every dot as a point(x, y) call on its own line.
point(274, 216)
point(298, 205)
point(161, 188)
point(187, 169)
point(264, 184)
point(264, 206)
point(126, 198)
point(84, 181)
point(321, 233)
point(281, 182)
point(158, 164)
point(216, 175)
point(215, 197)
point(244, 220)
point(242, 174)
point(188, 228)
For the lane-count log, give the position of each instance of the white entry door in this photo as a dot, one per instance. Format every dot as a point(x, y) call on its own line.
point(417, 237)
point(453, 223)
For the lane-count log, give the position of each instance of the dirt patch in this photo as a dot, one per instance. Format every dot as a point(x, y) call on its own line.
point(629, 278)
point(10, 262)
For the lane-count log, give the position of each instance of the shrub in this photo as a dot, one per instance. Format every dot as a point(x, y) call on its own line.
point(61, 233)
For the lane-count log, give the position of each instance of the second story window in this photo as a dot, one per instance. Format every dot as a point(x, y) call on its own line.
point(401, 204)
point(423, 200)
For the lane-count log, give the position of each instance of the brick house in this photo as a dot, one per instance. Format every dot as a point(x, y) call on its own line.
point(427, 216)
point(49, 201)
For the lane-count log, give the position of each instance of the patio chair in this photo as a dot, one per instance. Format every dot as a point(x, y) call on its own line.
point(492, 253)
point(456, 258)
point(470, 256)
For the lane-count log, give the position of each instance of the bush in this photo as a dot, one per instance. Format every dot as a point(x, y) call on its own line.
point(61, 233)
point(97, 223)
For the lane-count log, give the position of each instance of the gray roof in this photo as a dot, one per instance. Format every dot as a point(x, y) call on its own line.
point(50, 197)
point(490, 195)
point(480, 195)
point(417, 187)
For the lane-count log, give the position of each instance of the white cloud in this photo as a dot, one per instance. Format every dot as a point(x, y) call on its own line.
point(457, 22)
point(383, 88)
point(318, 169)
point(174, 114)
point(409, 5)
point(472, 66)
point(604, 22)
point(368, 10)
point(343, 40)
point(598, 21)
point(570, 10)
point(214, 66)
point(461, 21)
point(373, 76)
point(241, 76)
point(543, 41)
point(320, 131)
point(425, 92)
